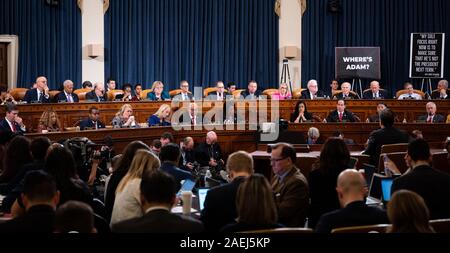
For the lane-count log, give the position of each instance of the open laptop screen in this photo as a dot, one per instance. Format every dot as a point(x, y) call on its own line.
point(187, 185)
point(386, 184)
point(202, 196)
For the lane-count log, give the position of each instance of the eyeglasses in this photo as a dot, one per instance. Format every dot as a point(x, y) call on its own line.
point(273, 160)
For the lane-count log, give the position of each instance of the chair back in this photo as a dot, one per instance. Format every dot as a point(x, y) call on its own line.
point(113, 93)
point(336, 93)
point(237, 93)
point(439, 161)
point(401, 92)
point(53, 94)
point(378, 228)
point(398, 147)
point(144, 93)
point(441, 225)
point(397, 157)
point(175, 92)
point(18, 93)
point(297, 93)
point(280, 231)
point(269, 92)
point(81, 93)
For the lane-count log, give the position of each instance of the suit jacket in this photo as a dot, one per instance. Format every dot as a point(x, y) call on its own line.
point(245, 94)
point(432, 185)
point(374, 118)
point(307, 95)
point(436, 119)
point(381, 95)
point(177, 173)
point(204, 152)
point(38, 219)
point(6, 128)
point(188, 157)
point(151, 96)
point(387, 135)
point(220, 205)
point(437, 95)
point(213, 95)
point(291, 198)
point(61, 97)
point(341, 96)
point(155, 121)
point(159, 221)
point(354, 214)
point(179, 97)
point(93, 97)
point(88, 123)
point(308, 116)
point(347, 116)
point(32, 96)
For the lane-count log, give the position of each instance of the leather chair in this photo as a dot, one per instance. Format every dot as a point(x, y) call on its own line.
point(280, 231)
point(269, 92)
point(53, 94)
point(113, 93)
point(18, 93)
point(81, 93)
point(378, 228)
point(297, 93)
point(237, 93)
point(401, 92)
point(144, 93)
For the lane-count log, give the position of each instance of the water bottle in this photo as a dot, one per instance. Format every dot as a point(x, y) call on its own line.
point(207, 175)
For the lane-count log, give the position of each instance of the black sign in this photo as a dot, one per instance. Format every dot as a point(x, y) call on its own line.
point(358, 62)
point(427, 55)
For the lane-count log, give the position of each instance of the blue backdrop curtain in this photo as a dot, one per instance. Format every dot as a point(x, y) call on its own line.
point(200, 41)
point(49, 40)
point(383, 23)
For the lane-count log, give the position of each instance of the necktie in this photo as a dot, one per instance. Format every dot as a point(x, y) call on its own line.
point(340, 116)
point(375, 95)
point(219, 97)
point(69, 98)
point(13, 127)
point(39, 96)
point(430, 118)
point(410, 96)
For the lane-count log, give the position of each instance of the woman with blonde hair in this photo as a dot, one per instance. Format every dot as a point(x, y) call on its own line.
point(161, 117)
point(283, 93)
point(408, 213)
point(158, 93)
point(49, 122)
point(127, 203)
point(124, 117)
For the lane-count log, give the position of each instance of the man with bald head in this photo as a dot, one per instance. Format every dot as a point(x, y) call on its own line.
point(431, 116)
point(40, 93)
point(375, 92)
point(313, 91)
point(67, 95)
point(442, 91)
point(352, 191)
point(345, 94)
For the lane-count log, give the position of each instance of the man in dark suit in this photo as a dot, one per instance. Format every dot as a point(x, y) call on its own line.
point(220, 203)
point(67, 94)
point(442, 91)
point(376, 117)
point(220, 94)
point(352, 191)
point(312, 92)
point(126, 96)
point(387, 134)
point(187, 158)
point(170, 157)
point(40, 198)
point(157, 198)
point(289, 186)
point(345, 94)
point(252, 91)
point(98, 94)
point(92, 122)
point(431, 116)
point(341, 114)
point(12, 122)
point(188, 116)
point(40, 93)
point(209, 154)
point(185, 95)
point(375, 92)
point(432, 185)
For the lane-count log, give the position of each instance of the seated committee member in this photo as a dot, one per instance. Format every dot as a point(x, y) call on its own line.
point(351, 190)
point(49, 122)
point(87, 85)
point(124, 117)
point(161, 117)
point(431, 116)
point(301, 113)
point(158, 93)
point(137, 92)
point(231, 87)
point(185, 95)
point(312, 92)
point(157, 197)
point(98, 94)
point(39, 94)
point(252, 91)
point(345, 94)
point(6, 97)
point(341, 114)
point(375, 92)
point(334, 87)
point(67, 94)
point(220, 94)
point(289, 185)
point(432, 185)
point(126, 96)
point(376, 117)
point(410, 94)
point(442, 91)
point(220, 202)
point(283, 93)
point(93, 121)
point(12, 122)
point(190, 117)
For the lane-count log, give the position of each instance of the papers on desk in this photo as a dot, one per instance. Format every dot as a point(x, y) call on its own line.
point(179, 210)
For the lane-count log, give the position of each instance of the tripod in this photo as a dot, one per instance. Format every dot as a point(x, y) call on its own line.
point(285, 75)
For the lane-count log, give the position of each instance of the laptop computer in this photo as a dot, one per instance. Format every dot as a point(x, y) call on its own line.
point(188, 185)
point(386, 184)
point(202, 192)
point(375, 192)
point(369, 170)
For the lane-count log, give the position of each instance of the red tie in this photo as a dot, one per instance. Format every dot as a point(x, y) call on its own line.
point(429, 119)
point(340, 116)
point(13, 127)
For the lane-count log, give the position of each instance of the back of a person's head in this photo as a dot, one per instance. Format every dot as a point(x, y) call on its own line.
point(419, 150)
point(408, 213)
point(255, 201)
point(167, 135)
point(38, 186)
point(350, 181)
point(287, 150)
point(60, 163)
point(240, 161)
point(128, 154)
point(143, 161)
point(170, 152)
point(74, 216)
point(387, 117)
point(158, 187)
point(39, 147)
point(334, 155)
point(313, 132)
point(17, 154)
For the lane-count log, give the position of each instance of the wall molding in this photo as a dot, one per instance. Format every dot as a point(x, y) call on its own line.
point(13, 58)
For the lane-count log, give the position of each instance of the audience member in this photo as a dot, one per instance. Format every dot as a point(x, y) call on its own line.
point(127, 203)
point(137, 93)
point(410, 94)
point(155, 147)
point(256, 207)
point(220, 203)
point(313, 136)
point(339, 134)
point(312, 92)
point(375, 92)
point(341, 114)
point(442, 91)
point(209, 154)
point(184, 95)
point(49, 122)
point(334, 158)
point(252, 91)
point(301, 113)
point(408, 213)
point(67, 94)
point(283, 93)
point(17, 154)
point(74, 216)
point(161, 117)
point(170, 157)
point(12, 123)
point(417, 134)
point(345, 94)
point(93, 121)
point(97, 94)
point(124, 117)
point(432, 185)
point(352, 191)
point(166, 138)
point(431, 116)
point(157, 198)
point(187, 159)
point(40, 93)
point(158, 93)
point(289, 185)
